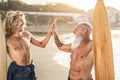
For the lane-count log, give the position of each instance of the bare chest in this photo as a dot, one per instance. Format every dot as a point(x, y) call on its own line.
point(81, 52)
point(80, 60)
point(78, 54)
point(19, 44)
point(23, 43)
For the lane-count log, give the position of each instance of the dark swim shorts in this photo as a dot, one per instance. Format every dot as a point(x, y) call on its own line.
point(16, 72)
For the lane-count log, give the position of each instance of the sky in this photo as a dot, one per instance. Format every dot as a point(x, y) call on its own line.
point(82, 4)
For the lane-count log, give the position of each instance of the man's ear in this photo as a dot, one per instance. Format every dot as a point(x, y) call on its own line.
point(84, 31)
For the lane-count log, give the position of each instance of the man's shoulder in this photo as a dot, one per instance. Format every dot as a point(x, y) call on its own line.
point(91, 42)
point(26, 33)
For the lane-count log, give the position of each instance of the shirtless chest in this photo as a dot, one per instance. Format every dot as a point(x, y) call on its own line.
point(18, 49)
point(81, 57)
point(81, 63)
point(18, 43)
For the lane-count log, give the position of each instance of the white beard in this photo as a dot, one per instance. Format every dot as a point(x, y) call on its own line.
point(76, 42)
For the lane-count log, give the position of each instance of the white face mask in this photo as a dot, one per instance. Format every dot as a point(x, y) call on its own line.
point(76, 42)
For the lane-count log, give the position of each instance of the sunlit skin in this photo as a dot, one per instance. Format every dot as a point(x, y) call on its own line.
point(18, 44)
point(81, 57)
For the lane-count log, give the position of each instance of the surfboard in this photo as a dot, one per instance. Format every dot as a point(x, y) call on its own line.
point(3, 54)
point(102, 44)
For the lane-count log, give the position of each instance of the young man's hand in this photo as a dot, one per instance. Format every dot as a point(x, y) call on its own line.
point(53, 26)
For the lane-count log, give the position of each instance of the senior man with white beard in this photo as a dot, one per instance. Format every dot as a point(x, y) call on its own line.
point(81, 52)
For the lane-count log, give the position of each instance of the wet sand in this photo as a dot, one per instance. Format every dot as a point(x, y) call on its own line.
point(47, 67)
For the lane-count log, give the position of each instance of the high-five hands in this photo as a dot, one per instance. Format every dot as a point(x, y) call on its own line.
point(53, 26)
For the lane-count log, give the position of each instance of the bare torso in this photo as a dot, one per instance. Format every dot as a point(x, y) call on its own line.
point(81, 62)
point(18, 49)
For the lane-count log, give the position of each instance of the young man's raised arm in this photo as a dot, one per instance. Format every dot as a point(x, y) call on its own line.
point(44, 42)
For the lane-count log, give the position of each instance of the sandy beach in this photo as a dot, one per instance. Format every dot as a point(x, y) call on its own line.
point(52, 64)
point(47, 67)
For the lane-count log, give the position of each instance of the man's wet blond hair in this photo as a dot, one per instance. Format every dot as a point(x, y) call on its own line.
point(11, 22)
